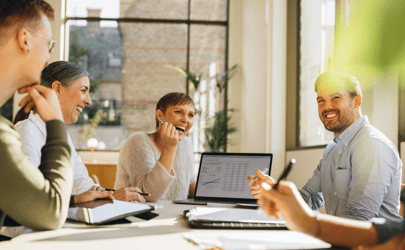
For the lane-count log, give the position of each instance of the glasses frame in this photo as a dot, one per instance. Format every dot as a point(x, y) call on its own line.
point(51, 44)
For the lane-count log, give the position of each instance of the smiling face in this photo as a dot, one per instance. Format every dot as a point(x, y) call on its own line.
point(73, 98)
point(181, 116)
point(338, 111)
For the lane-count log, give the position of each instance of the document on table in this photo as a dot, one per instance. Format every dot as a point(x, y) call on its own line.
point(256, 240)
point(230, 215)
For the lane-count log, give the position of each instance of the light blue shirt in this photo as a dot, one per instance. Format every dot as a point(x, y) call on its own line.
point(359, 175)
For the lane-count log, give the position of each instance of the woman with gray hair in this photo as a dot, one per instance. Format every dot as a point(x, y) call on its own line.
point(71, 84)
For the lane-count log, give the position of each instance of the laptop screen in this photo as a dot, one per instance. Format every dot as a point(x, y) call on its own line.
point(224, 175)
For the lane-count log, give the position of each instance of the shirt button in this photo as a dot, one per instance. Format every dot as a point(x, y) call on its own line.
point(340, 152)
point(335, 193)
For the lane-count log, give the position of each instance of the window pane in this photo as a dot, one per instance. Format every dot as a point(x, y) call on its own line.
point(148, 48)
point(157, 9)
point(98, 8)
point(207, 58)
point(128, 76)
point(316, 52)
point(214, 10)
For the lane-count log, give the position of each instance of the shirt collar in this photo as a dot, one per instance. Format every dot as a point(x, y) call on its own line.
point(348, 134)
point(37, 120)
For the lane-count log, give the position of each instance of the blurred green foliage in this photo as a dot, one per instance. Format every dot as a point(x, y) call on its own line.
point(7, 109)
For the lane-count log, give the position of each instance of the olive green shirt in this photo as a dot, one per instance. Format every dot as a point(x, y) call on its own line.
point(35, 197)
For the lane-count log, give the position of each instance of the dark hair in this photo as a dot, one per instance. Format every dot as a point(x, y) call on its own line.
point(64, 72)
point(172, 99)
point(339, 81)
point(20, 13)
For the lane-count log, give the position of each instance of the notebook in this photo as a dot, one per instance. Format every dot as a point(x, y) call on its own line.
point(104, 211)
point(231, 218)
point(222, 178)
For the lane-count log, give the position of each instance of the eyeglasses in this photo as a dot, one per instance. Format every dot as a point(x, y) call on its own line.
point(51, 43)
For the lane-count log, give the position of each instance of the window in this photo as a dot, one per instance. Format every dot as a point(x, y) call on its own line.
point(126, 47)
point(317, 21)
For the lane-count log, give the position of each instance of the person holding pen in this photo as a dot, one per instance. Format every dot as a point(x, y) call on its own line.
point(161, 163)
point(359, 175)
point(286, 201)
point(71, 84)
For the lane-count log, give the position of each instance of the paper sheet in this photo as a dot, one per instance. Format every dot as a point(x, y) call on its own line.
point(256, 240)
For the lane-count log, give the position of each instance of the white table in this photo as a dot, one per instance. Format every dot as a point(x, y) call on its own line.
point(163, 232)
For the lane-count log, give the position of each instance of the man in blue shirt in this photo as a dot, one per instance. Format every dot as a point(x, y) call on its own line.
point(359, 175)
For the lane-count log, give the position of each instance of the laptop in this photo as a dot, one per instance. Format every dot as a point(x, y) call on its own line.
point(222, 178)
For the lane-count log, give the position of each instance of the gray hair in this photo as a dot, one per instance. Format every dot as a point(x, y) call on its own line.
point(64, 72)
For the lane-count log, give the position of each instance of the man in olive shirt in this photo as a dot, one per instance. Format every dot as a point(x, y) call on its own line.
point(34, 197)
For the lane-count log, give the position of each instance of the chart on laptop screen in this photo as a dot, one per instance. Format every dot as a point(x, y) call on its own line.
point(226, 175)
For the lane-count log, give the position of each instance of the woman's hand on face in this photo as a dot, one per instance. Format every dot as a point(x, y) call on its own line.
point(169, 134)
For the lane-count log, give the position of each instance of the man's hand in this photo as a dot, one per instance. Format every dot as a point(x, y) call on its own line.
point(288, 202)
point(398, 242)
point(93, 195)
point(128, 194)
point(43, 100)
point(256, 183)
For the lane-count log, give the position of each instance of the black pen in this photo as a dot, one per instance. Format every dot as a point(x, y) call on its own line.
point(283, 176)
point(144, 194)
point(285, 173)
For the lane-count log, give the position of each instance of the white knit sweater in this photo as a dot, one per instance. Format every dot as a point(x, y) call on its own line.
point(139, 166)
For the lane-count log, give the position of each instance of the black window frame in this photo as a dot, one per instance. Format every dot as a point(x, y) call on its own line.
point(187, 21)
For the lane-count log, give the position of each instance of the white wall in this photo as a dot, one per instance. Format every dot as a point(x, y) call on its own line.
point(257, 43)
point(307, 161)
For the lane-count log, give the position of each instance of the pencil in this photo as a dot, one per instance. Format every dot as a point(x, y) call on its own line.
point(144, 194)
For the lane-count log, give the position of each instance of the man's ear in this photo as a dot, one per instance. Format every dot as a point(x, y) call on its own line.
point(159, 114)
point(57, 87)
point(24, 40)
point(357, 101)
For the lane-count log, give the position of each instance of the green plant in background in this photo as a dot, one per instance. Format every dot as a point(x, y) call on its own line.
point(7, 109)
point(94, 85)
point(222, 80)
point(77, 51)
point(87, 131)
point(216, 135)
point(195, 79)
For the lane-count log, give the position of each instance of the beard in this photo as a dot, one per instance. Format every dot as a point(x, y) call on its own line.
point(344, 120)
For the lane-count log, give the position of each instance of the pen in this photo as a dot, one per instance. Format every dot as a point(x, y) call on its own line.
point(282, 176)
point(144, 194)
point(285, 172)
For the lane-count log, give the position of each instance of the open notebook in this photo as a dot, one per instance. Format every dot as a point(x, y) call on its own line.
point(104, 211)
